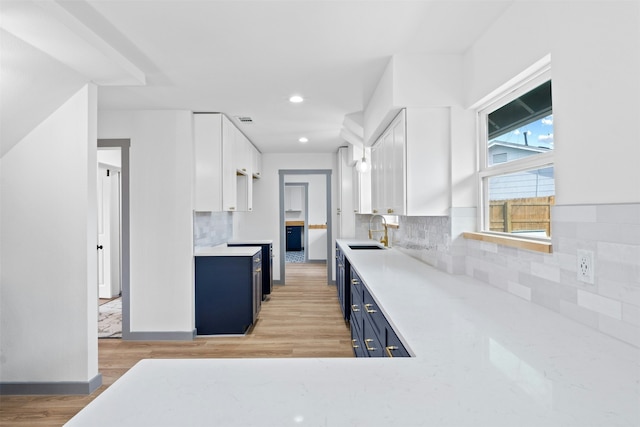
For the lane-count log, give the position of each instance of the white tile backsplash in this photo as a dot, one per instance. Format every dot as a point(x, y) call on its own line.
point(612, 232)
point(600, 304)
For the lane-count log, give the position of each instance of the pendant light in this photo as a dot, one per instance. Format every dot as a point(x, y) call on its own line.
point(363, 166)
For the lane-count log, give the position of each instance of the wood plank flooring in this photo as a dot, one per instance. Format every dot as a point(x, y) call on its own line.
point(301, 319)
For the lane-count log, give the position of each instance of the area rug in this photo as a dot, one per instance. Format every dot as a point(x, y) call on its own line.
point(110, 319)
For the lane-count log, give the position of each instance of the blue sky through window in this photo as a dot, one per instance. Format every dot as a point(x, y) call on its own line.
point(539, 134)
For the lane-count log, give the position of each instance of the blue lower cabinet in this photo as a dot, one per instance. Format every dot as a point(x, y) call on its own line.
point(228, 293)
point(356, 341)
point(267, 265)
point(371, 333)
point(373, 347)
point(393, 347)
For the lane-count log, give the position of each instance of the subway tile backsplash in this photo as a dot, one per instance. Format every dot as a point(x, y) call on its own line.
point(611, 232)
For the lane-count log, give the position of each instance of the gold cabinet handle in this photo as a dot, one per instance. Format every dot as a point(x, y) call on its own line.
point(258, 260)
point(258, 270)
point(389, 349)
point(354, 281)
point(232, 208)
point(369, 310)
point(353, 344)
point(366, 344)
point(375, 211)
point(354, 307)
point(390, 210)
point(244, 169)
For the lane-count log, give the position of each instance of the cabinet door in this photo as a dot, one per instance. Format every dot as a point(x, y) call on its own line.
point(257, 285)
point(377, 181)
point(207, 135)
point(397, 165)
point(229, 179)
point(293, 198)
point(257, 162)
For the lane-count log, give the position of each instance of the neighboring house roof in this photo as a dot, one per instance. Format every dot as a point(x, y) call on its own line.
point(518, 146)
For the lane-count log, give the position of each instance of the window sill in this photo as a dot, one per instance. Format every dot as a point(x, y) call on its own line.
point(515, 242)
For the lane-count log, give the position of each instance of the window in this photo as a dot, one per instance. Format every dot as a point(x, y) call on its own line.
point(516, 169)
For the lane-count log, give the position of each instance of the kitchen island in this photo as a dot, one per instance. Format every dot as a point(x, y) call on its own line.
point(481, 357)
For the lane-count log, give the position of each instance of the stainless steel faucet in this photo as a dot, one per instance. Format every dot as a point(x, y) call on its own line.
point(384, 239)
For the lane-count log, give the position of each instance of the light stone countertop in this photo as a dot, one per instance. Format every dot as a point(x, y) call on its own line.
point(250, 242)
point(483, 357)
point(224, 250)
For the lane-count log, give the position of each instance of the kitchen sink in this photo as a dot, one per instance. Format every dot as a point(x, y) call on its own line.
point(357, 247)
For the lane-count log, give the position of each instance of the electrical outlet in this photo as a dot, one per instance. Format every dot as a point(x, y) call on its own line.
point(585, 266)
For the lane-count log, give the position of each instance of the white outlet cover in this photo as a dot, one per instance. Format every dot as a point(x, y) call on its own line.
point(585, 266)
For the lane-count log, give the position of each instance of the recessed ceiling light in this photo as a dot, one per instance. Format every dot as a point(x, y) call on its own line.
point(304, 139)
point(296, 99)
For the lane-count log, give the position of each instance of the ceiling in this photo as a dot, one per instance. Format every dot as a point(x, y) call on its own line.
point(246, 58)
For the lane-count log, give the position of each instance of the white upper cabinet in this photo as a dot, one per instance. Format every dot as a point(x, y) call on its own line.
point(223, 165)
point(257, 163)
point(345, 210)
point(293, 198)
point(411, 164)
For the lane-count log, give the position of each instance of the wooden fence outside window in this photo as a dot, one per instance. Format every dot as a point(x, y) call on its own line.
point(521, 215)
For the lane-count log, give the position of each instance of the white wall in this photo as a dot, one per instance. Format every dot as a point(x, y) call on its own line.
point(595, 60)
point(161, 218)
point(263, 221)
point(48, 300)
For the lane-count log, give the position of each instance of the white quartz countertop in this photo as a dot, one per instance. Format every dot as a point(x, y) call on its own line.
point(483, 357)
point(250, 242)
point(224, 250)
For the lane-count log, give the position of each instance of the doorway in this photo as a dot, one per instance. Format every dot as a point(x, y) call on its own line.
point(113, 238)
point(109, 274)
point(319, 227)
point(296, 205)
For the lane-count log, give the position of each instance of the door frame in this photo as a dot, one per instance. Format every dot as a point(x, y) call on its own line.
point(283, 230)
point(125, 253)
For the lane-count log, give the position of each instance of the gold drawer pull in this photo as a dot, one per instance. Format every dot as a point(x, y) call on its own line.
point(354, 307)
point(369, 310)
point(353, 344)
point(258, 270)
point(354, 281)
point(366, 344)
point(389, 349)
point(390, 210)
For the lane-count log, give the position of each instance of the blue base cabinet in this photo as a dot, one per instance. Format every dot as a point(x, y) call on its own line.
point(267, 265)
point(343, 283)
point(371, 333)
point(294, 238)
point(228, 293)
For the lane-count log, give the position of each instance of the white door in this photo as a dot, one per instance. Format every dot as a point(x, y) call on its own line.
point(109, 284)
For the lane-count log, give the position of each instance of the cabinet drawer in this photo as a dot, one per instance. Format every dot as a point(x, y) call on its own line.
point(372, 345)
point(356, 341)
point(371, 311)
point(356, 287)
point(393, 346)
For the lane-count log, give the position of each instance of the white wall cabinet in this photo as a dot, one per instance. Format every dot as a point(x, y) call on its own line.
point(224, 162)
point(411, 164)
point(293, 198)
point(345, 210)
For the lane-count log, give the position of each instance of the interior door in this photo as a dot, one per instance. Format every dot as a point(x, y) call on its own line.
point(109, 284)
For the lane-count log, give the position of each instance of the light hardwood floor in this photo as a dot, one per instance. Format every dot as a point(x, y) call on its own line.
point(301, 319)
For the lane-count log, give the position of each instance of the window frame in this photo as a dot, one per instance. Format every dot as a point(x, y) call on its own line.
point(509, 92)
